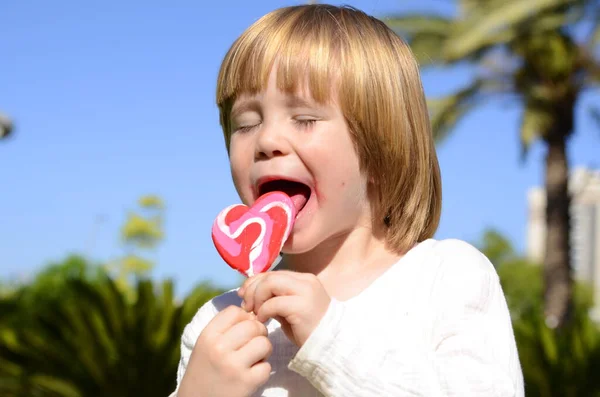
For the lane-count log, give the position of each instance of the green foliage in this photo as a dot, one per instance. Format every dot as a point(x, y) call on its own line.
point(88, 338)
point(595, 37)
point(445, 112)
point(497, 22)
point(79, 329)
point(521, 280)
point(142, 231)
point(151, 201)
point(521, 48)
point(556, 363)
point(49, 283)
point(496, 247)
point(561, 362)
point(428, 33)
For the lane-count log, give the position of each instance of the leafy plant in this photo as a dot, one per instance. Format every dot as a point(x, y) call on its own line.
point(90, 340)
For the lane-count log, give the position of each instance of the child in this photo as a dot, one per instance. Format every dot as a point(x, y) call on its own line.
point(325, 103)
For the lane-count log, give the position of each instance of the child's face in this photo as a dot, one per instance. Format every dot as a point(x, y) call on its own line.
point(291, 137)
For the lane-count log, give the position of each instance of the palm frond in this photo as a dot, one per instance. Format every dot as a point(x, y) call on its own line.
point(497, 25)
point(445, 112)
point(93, 340)
point(426, 34)
point(595, 37)
point(536, 119)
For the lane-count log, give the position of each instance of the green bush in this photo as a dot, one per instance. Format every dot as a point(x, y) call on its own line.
point(556, 363)
point(88, 338)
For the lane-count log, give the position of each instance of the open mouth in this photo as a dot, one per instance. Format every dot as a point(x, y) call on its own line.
point(297, 191)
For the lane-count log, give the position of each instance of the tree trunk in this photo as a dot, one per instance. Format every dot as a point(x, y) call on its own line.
point(557, 261)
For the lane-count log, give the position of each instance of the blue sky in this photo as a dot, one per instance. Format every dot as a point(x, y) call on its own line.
point(116, 99)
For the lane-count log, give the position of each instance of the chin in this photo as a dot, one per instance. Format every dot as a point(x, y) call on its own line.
point(292, 248)
point(298, 243)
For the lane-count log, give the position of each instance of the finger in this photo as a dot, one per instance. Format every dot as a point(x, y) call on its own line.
point(274, 286)
point(247, 282)
point(241, 333)
point(278, 307)
point(257, 349)
point(260, 373)
point(274, 280)
point(248, 296)
point(227, 318)
point(257, 277)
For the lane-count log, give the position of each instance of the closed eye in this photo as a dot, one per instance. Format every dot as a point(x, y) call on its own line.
point(245, 128)
point(304, 123)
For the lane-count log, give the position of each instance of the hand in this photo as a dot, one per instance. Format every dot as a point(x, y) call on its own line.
point(227, 359)
point(297, 300)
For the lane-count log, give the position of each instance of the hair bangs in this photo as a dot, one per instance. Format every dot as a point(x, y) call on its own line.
point(303, 49)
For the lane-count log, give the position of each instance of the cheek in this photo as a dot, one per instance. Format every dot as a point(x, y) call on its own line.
point(349, 180)
point(338, 170)
point(237, 179)
point(240, 172)
point(354, 188)
point(344, 156)
point(345, 185)
point(345, 167)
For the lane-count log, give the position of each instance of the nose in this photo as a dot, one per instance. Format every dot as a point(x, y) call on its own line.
point(271, 142)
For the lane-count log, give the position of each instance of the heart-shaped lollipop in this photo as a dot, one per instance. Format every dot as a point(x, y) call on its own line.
point(249, 239)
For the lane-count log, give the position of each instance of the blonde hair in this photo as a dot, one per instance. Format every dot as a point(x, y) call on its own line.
point(378, 88)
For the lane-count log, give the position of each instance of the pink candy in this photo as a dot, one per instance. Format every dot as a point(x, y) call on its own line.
point(249, 239)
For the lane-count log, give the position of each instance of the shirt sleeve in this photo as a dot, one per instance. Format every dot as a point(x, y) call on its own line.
point(472, 350)
point(190, 335)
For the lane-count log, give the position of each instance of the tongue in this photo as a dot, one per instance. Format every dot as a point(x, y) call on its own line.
point(299, 200)
point(298, 192)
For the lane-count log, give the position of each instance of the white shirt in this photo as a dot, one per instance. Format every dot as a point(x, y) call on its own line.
point(435, 324)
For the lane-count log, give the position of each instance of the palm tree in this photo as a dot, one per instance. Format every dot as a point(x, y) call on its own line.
point(91, 340)
point(530, 51)
point(6, 126)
